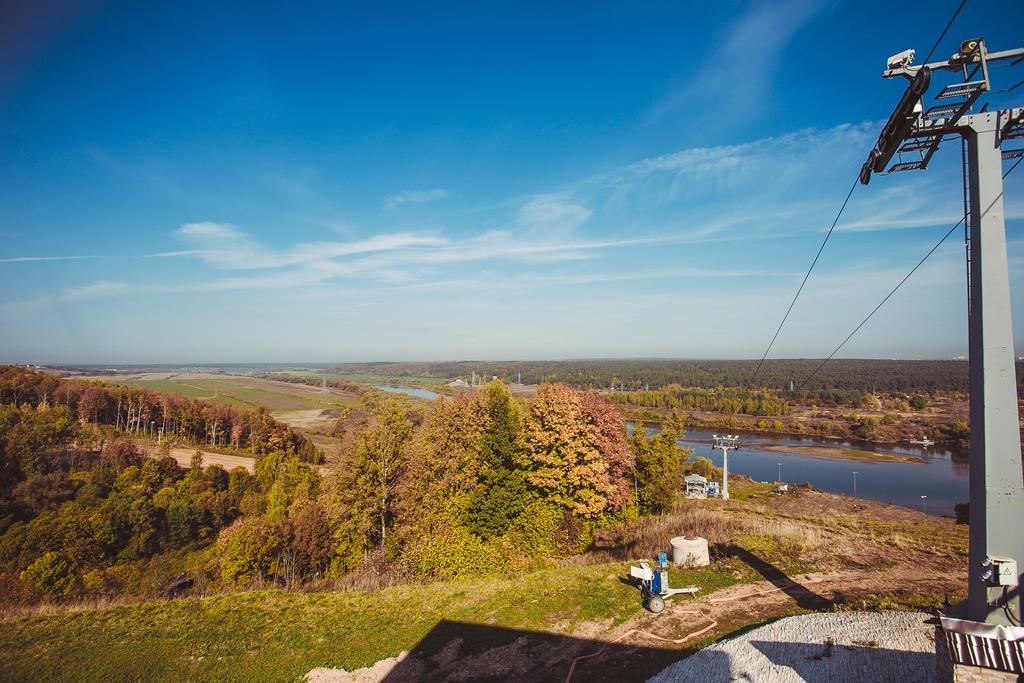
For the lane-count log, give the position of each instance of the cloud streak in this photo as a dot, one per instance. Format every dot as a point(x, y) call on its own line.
point(738, 75)
point(32, 259)
point(414, 197)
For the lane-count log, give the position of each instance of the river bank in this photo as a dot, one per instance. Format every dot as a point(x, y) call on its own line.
point(845, 454)
point(944, 423)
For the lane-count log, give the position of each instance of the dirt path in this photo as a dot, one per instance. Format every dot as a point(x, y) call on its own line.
point(228, 462)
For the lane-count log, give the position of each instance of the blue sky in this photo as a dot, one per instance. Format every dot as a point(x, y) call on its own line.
point(196, 183)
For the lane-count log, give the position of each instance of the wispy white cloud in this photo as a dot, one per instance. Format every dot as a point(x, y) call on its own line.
point(737, 74)
point(93, 290)
point(553, 211)
point(225, 246)
point(30, 259)
point(391, 259)
point(82, 257)
point(415, 197)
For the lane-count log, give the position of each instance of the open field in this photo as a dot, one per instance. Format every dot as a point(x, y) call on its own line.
point(237, 390)
point(771, 556)
point(300, 406)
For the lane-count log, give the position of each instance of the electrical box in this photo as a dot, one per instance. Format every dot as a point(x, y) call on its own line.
point(1000, 571)
point(1005, 570)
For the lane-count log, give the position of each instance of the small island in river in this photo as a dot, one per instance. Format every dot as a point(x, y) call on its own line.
point(843, 453)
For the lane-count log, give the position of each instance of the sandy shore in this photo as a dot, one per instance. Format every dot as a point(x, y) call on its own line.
point(842, 453)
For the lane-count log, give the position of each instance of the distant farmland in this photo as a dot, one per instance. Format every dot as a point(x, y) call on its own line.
point(241, 392)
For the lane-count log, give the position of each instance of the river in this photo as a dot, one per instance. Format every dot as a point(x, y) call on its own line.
point(408, 391)
point(943, 477)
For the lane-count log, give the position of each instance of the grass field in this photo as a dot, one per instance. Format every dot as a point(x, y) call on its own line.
point(278, 636)
point(240, 391)
point(863, 555)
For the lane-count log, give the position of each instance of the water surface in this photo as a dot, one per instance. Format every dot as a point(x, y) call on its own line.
point(408, 391)
point(942, 477)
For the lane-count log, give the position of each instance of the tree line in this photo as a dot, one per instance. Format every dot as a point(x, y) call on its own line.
point(869, 375)
point(146, 412)
point(477, 484)
point(727, 401)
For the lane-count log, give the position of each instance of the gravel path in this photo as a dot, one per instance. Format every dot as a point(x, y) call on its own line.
point(840, 646)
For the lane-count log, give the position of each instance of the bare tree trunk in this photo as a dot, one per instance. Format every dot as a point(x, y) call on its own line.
point(383, 520)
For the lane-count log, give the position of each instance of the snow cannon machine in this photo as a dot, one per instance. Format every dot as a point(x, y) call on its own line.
point(653, 583)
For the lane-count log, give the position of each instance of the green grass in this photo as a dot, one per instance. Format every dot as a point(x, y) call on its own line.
point(752, 491)
point(276, 635)
point(242, 392)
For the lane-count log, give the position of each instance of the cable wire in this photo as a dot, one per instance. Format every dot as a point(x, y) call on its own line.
point(796, 296)
point(894, 289)
point(943, 34)
point(792, 303)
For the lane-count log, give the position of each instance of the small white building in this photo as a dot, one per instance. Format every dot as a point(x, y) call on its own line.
point(696, 486)
point(458, 384)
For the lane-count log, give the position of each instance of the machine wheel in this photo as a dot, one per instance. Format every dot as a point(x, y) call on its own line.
point(655, 603)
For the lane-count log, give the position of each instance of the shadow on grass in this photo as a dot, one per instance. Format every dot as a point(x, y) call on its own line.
point(802, 595)
point(455, 650)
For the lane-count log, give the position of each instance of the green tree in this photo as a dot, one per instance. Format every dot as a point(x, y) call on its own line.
point(49, 575)
point(195, 466)
point(659, 465)
point(705, 468)
point(378, 463)
point(502, 493)
point(249, 550)
point(182, 522)
point(293, 481)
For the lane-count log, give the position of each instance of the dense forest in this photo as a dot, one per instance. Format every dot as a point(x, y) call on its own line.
point(478, 484)
point(921, 376)
point(727, 401)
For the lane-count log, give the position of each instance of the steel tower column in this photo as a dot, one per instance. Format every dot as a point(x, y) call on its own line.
point(996, 476)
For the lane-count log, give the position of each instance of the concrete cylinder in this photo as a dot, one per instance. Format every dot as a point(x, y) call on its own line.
point(690, 551)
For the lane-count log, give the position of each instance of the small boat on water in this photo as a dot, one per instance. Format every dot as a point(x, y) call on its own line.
point(925, 441)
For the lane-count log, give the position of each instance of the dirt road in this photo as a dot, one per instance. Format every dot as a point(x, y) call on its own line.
point(228, 462)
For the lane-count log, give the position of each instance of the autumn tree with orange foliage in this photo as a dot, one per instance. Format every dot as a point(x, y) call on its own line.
point(576, 452)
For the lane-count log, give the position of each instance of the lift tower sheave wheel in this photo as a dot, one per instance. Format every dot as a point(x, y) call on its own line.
point(898, 126)
point(996, 486)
